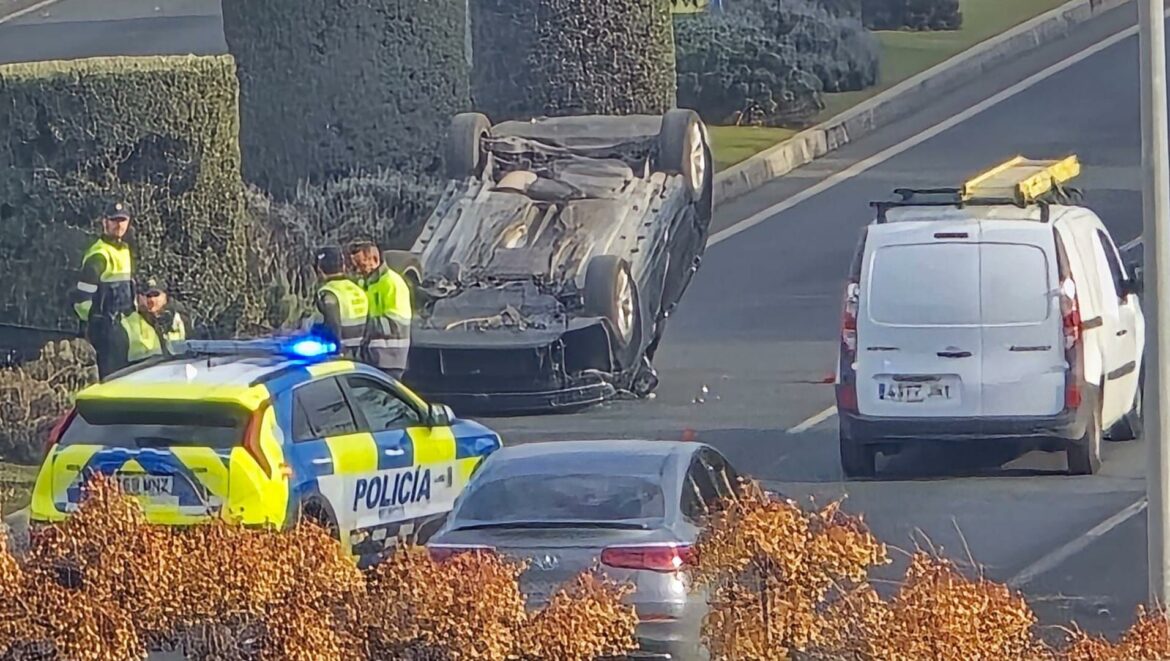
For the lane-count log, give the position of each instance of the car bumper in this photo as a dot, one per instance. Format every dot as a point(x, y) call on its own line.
point(1065, 426)
point(506, 380)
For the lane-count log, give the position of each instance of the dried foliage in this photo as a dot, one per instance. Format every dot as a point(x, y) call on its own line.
point(34, 395)
point(104, 585)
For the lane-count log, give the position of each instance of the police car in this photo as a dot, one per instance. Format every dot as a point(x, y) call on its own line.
point(266, 433)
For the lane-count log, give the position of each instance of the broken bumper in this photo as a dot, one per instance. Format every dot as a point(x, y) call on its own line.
point(504, 380)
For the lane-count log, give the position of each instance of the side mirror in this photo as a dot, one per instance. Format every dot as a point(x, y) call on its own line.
point(440, 415)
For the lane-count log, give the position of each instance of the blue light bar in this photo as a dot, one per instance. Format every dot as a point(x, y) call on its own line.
point(295, 347)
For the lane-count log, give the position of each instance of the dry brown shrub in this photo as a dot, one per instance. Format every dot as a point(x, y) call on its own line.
point(1148, 638)
point(34, 395)
point(583, 620)
point(105, 586)
point(774, 570)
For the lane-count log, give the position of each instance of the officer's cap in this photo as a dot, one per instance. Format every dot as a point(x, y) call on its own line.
point(150, 285)
point(117, 210)
point(329, 259)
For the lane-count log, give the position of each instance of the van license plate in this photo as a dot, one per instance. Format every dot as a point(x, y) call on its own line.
point(151, 486)
point(913, 393)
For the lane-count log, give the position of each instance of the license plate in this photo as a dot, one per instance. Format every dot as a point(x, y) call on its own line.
point(151, 486)
point(914, 393)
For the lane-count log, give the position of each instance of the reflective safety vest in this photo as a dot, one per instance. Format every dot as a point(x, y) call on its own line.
point(354, 308)
point(177, 331)
point(143, 340)
point(390, 317)
point(114, 294)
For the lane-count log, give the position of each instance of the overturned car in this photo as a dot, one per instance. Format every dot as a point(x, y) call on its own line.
point(544, 278)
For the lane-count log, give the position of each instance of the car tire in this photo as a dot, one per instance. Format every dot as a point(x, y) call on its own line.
point(407, 265)
point(315, 513)
point(1084, 454)
point(465, 153)
point(1129, 427)
point(857, 459)
point(610, 292)
point(682, 149)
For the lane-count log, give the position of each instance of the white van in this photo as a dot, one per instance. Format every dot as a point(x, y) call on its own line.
point(991, 312)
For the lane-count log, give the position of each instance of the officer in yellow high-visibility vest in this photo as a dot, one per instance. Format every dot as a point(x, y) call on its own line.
point(105, 291)
point(155, 326)
point(342, 306)
point(388, 339)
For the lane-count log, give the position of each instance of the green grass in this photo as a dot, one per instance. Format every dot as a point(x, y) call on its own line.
point(16, 483)
point(903, 54)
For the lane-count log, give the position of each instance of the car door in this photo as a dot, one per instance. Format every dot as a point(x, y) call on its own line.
point(1023, 345)
point(919, 345)
point(1121, 381)
point(328, 451)
point(416, 478)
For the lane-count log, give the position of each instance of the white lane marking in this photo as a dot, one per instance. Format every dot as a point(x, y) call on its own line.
point(1057, 556)
point(814, 421)
point(27, 10)
point(887, 154)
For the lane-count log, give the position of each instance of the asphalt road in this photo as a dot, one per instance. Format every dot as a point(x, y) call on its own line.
point(744, 360)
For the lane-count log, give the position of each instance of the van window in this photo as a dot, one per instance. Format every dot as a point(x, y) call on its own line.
point(927, 284)
point(1016, 284)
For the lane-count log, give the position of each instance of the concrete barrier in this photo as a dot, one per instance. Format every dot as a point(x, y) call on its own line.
point(900, 100)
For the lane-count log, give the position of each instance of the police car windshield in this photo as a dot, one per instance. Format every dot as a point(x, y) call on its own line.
point(589, 499)
point(139, 424)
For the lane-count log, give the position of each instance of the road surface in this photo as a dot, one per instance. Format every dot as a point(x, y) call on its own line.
point(744, 359)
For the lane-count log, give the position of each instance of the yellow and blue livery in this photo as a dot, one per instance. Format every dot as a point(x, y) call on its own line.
point(266, 433)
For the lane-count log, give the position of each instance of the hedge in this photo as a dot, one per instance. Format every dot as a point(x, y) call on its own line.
point(911, 14)
point(330, 88)
point(34, 395)
point(769, 61)
point(160, 132)
point(571, 57)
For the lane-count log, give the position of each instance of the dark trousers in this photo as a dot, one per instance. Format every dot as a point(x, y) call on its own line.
point(110, 343)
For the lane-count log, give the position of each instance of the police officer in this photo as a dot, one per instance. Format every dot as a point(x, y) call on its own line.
point(105, 291)
point(388, 337)
point(342, 306)
point(163, 315)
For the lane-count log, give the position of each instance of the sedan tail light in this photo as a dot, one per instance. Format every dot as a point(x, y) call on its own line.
point(660, 558)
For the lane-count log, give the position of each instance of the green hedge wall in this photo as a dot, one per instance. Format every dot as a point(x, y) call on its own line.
point(569, 57)
point(912, 14)
point(331, 88)
point(160, 132)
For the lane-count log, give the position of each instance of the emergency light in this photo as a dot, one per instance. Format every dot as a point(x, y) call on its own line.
point(303, 346)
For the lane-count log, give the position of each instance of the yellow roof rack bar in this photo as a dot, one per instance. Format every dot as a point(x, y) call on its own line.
point(1021, 179)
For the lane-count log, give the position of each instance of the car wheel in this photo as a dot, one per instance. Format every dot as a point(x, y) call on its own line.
point(682, 148)
point(857, 459)
point(407, 265)
point(465, 153)
point(610, 292)
point(1084, 454)
point(1129, 427)
point(314, 513)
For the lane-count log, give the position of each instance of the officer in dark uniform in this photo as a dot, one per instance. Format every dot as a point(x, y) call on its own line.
point(105, 292)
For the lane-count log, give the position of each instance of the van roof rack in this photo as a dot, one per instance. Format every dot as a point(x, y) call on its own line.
point(1019, 182)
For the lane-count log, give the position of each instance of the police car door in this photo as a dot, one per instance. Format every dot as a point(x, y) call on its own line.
point(416, 479)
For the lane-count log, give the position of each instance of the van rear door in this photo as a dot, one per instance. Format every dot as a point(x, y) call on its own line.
point(919, 342)
point(1023, 345)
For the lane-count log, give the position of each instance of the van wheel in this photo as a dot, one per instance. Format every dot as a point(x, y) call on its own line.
point(857, 459)
point(1129, 427)
point(1084, 454)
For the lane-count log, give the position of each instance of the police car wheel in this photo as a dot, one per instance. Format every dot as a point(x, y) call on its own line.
point(315, 514)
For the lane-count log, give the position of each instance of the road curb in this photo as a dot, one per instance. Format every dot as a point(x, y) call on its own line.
point(899, 100)
point(14, 9)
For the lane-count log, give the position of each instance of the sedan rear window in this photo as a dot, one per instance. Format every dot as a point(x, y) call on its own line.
point(139, 424)
point(580, 497)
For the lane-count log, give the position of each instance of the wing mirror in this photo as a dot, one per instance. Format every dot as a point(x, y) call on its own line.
point(440, 415)
point(1133, 284)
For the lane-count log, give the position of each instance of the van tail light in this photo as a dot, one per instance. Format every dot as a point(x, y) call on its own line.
point(653, 558)
point(849, 320)
point(444, 552)
point(252, 439)
point(847, 396)
point(1070, 311)
point(58, 429)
